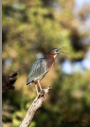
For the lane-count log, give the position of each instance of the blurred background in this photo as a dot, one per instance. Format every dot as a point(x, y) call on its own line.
point(30, 28)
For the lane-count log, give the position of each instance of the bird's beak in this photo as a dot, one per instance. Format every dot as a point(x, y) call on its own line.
point(60, 48)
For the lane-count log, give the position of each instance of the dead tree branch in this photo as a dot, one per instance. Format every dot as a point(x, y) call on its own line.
point(37, 103)
point(9, 81)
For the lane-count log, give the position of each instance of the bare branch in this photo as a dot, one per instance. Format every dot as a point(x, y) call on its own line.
point(37, 103)
point(9, 81)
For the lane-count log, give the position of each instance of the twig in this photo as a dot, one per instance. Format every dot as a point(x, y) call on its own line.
point(37, 103)
point(9, 81)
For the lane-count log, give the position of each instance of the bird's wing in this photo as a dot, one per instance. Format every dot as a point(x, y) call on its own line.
point(37, 69)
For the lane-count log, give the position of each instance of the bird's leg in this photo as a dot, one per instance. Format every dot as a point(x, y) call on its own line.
point(36, 88)
point(39, 85)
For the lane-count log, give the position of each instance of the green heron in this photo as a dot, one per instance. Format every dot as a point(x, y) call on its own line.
point(41, 67)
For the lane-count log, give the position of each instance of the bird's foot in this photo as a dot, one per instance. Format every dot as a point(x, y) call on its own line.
point(42, 93)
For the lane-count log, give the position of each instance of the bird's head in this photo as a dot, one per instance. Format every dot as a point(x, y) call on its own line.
point(53, 52)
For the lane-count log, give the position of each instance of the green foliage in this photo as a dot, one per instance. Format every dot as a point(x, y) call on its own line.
point(30, 27)
point(69, 101)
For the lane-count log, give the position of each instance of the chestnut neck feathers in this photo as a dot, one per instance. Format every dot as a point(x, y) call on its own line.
point(50, 60)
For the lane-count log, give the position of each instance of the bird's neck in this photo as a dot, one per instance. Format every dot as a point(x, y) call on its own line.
point(50, 56)
point(50, 61)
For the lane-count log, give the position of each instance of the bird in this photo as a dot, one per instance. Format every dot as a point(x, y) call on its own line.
point(41, 67)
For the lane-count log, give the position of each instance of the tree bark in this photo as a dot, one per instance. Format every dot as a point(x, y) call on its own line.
point(9, 81)
point(37, 103)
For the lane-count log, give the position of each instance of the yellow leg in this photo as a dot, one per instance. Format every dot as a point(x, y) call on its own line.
point(39, 85)
point(36, 88)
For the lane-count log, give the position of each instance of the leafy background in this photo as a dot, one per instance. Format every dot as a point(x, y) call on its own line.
point(30, 28)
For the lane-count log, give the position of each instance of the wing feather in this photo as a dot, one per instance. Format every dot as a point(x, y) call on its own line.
point(37, 69)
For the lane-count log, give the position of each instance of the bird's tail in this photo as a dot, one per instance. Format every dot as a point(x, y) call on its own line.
point(28, 83)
